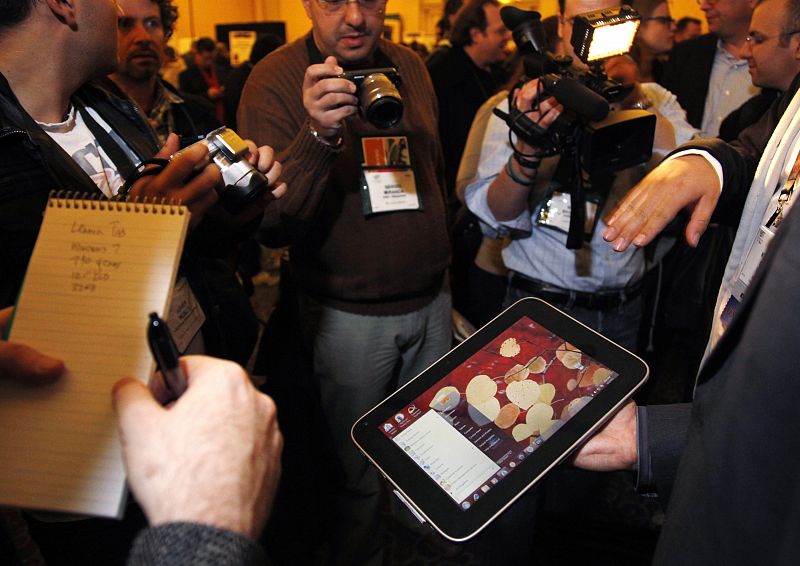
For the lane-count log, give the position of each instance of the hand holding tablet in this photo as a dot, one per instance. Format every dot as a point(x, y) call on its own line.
point(488, 420)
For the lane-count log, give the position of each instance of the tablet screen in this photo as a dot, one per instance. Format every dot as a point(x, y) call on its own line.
point(470, 429)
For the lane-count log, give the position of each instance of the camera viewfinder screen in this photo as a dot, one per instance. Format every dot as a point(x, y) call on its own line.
point(484, 418)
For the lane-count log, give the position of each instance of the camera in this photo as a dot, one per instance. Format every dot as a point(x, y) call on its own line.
point(603, 143)
point(379, 101)
point(593, 142)
point(242, 183)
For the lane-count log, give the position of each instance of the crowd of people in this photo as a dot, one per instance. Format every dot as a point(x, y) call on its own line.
point(686, 259)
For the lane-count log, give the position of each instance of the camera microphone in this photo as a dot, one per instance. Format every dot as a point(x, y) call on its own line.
point(575, 96)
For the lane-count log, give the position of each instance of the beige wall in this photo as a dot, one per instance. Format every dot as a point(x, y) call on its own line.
point(198, 17)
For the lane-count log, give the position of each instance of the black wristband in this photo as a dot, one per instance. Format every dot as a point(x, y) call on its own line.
point(527, 162)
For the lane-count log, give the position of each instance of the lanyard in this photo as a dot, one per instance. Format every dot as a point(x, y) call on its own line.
point(786, 194)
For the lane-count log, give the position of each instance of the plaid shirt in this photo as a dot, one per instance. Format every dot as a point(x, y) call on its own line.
point(160, 117)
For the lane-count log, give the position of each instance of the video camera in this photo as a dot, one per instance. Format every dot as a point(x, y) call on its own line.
point(590, 139)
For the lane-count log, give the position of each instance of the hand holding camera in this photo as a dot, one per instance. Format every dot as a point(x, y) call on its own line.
point(220, 168)
point(330, 95)
point(328, 99)
point(180, 180)
point(542, 111)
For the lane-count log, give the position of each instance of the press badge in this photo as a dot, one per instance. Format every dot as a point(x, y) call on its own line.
point(387, 180)
point(186, 316)
point(555, 214)
point(752, 260)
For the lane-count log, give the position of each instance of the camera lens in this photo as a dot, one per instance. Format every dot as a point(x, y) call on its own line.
point(380, 101)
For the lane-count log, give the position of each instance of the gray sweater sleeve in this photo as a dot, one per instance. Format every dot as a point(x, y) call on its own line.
point(185, 544)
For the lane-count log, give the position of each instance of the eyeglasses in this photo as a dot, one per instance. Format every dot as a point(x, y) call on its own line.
point(367, 6)
point(666, 20)
point(755, 38)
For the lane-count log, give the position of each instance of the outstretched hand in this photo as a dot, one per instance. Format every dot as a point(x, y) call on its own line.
point(685, 182)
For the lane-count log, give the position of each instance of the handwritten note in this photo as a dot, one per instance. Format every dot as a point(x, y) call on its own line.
point(97, 270)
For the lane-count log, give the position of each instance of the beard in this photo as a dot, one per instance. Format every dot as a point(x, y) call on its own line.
point(138, 68)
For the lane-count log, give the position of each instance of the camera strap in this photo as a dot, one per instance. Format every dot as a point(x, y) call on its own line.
point(124, 165)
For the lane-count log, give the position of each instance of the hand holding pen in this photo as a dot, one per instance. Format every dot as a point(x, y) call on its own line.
point(166, 354)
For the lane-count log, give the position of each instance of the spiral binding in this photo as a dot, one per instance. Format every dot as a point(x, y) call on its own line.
point(94, 201)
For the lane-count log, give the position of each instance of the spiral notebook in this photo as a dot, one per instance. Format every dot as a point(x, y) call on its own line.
point(97, 270)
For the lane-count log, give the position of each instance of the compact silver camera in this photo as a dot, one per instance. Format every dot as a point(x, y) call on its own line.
point(379, 100)
point(242, 183)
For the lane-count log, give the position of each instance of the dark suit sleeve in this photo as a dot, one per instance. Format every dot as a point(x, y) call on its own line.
point(662, 435)
point(193, 544)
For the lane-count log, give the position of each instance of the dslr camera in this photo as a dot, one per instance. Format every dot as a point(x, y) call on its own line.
point(242, 183)
point(379, 101)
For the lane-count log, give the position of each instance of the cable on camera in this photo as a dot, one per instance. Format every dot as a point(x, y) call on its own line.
point(146, 168)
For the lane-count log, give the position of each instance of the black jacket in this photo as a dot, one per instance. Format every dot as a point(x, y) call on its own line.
point(461, 88)
point(735, 498)
point(687, 74)
point(32, 165)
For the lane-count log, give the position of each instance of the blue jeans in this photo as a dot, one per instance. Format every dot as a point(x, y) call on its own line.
point(619, 324)
point(358, 361)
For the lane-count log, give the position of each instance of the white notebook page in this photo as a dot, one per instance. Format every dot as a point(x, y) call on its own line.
point(97, 270)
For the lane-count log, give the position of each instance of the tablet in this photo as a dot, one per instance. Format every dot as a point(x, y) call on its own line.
point(469, 435)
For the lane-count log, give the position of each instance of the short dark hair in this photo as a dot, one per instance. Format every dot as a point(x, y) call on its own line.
point(169, 15)
point(684, 22)
point(791, 23)
point(13, 12)
point(471, 15)
point(204, 45)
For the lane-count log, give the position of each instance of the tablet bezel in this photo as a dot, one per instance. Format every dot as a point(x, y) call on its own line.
point(436, 506)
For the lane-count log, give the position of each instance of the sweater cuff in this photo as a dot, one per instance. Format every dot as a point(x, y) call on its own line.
point(184, 544)
point(312, 147)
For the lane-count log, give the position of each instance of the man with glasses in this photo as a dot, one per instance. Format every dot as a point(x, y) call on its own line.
point(707, 73)
point(368, 244)
point(772, 46)
point(732, 499)
point(769, 50)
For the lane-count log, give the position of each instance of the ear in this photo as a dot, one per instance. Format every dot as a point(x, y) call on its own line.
point(475, 34)
point(794, 45)
point(307, 8)
point(64, 10)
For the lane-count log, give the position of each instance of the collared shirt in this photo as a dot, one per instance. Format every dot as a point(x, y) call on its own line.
point(160, 117)
point(540, 253)
point(729, 87)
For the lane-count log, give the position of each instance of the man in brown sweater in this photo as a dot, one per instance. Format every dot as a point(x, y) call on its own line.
point(368, 243)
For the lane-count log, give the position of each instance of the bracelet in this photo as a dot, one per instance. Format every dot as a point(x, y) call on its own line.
point(527, 163)
point(317, 136)
point(516, 178)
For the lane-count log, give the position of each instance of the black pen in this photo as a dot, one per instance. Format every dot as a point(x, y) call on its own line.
point(166, 355)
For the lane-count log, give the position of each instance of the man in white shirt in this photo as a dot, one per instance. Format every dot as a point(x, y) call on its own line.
point(708, 74)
